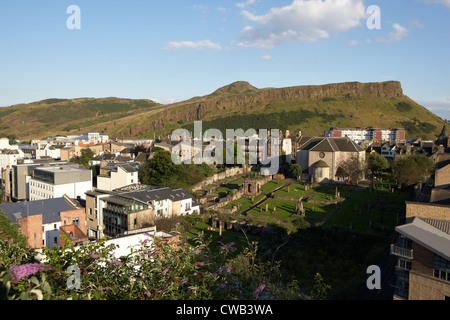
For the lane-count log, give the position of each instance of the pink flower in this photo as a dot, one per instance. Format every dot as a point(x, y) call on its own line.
point(147, 293)
point(258, 290)
point(26, 270)
point(94, 255)
point(165, 270)
point(116, 263)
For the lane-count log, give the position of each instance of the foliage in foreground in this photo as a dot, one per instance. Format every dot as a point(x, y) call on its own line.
point(154, 270)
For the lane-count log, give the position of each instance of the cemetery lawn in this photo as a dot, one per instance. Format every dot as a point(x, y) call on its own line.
point(366, 210)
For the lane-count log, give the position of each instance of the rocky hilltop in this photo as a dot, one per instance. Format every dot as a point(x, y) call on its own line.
point(312, 109)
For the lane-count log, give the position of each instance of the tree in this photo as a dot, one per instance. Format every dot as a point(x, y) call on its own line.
point(158, 169)
point(354, 167)
point(86, 156)
point(296, 170)
point(376, 163)
point(412, 169)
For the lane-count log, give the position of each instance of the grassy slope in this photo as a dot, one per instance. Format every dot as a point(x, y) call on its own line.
point(66, 116)
point(237, 106)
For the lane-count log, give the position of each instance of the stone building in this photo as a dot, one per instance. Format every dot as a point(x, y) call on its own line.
point(322, 157)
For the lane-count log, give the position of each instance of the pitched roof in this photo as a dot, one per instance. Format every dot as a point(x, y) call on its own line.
point(321, 164)
point(147, 195)
point(427, 235)
point(49, 208)
point(331, 145)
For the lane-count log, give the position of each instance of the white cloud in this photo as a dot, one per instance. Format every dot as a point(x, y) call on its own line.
point(163, 101)
point(354, 43)
point(444, 2)
point(398, 34)
point(266, 57)
point(199, 45)
point(438, 107)
point(302, 20)
point(245, 4)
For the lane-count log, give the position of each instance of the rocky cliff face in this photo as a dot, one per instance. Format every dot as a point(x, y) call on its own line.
point(213, 106)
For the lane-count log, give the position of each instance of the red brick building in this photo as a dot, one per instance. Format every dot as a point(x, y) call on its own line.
point(45, 222)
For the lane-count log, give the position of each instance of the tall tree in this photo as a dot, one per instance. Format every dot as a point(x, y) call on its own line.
point(296, 170)
point(376, 163)
point(412, 169)
point(354, 167)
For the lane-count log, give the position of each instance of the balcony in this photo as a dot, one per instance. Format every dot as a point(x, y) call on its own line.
point(401, 251)
point(74, 233)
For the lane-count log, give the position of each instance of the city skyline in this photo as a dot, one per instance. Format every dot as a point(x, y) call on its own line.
point(172, 51)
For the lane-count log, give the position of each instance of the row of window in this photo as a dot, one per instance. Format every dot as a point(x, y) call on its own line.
point(41, 186)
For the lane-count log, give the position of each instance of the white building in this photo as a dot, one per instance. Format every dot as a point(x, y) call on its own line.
point(9, 154)
point(116, 176)
point(55, 182)
point(89, 137)
point(113, 213)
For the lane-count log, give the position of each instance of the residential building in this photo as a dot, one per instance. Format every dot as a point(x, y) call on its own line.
point(368, 135)
point(129, 242)
point(55, 181)
point(20, 178)
point(90, 137)
point(114, 176)
point(134, 207)
point(44, 222)
point(422, 249)
point(321, 157)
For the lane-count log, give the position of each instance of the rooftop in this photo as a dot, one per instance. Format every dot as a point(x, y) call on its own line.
point(429, 233)
point(49, 208)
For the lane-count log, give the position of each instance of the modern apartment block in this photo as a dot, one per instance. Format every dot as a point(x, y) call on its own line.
point(55, 181)
point(113, 213)
point(368, 135)
point(423, 253)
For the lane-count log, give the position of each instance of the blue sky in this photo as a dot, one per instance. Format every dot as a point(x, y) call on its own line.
point(173, 50)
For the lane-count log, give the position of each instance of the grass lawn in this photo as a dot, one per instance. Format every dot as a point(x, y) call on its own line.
point(326, 193)
point(271, 185)
point(380, 207)
point(296, 190)
point(284, 209)
point(228, 187)
point(239, 238)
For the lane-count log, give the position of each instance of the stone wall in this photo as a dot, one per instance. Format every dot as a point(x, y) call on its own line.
point(427, 210)
point(229, 172)
point(427, 288)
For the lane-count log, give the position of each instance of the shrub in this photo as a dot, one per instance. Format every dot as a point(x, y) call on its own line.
point(155, 269)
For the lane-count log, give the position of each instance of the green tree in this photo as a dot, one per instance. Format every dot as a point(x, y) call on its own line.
point(412, 169)
point(159, 169)
point(376, 163)
point(10, 230)
point(86, 156)
point(296, 170)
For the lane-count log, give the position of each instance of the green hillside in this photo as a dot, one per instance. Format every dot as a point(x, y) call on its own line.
point(67, 116)
point(311, 109)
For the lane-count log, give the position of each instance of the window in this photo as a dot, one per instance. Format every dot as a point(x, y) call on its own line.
point(404, 264)
point(135, 221)
point(75, 221)
point(441, 268)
